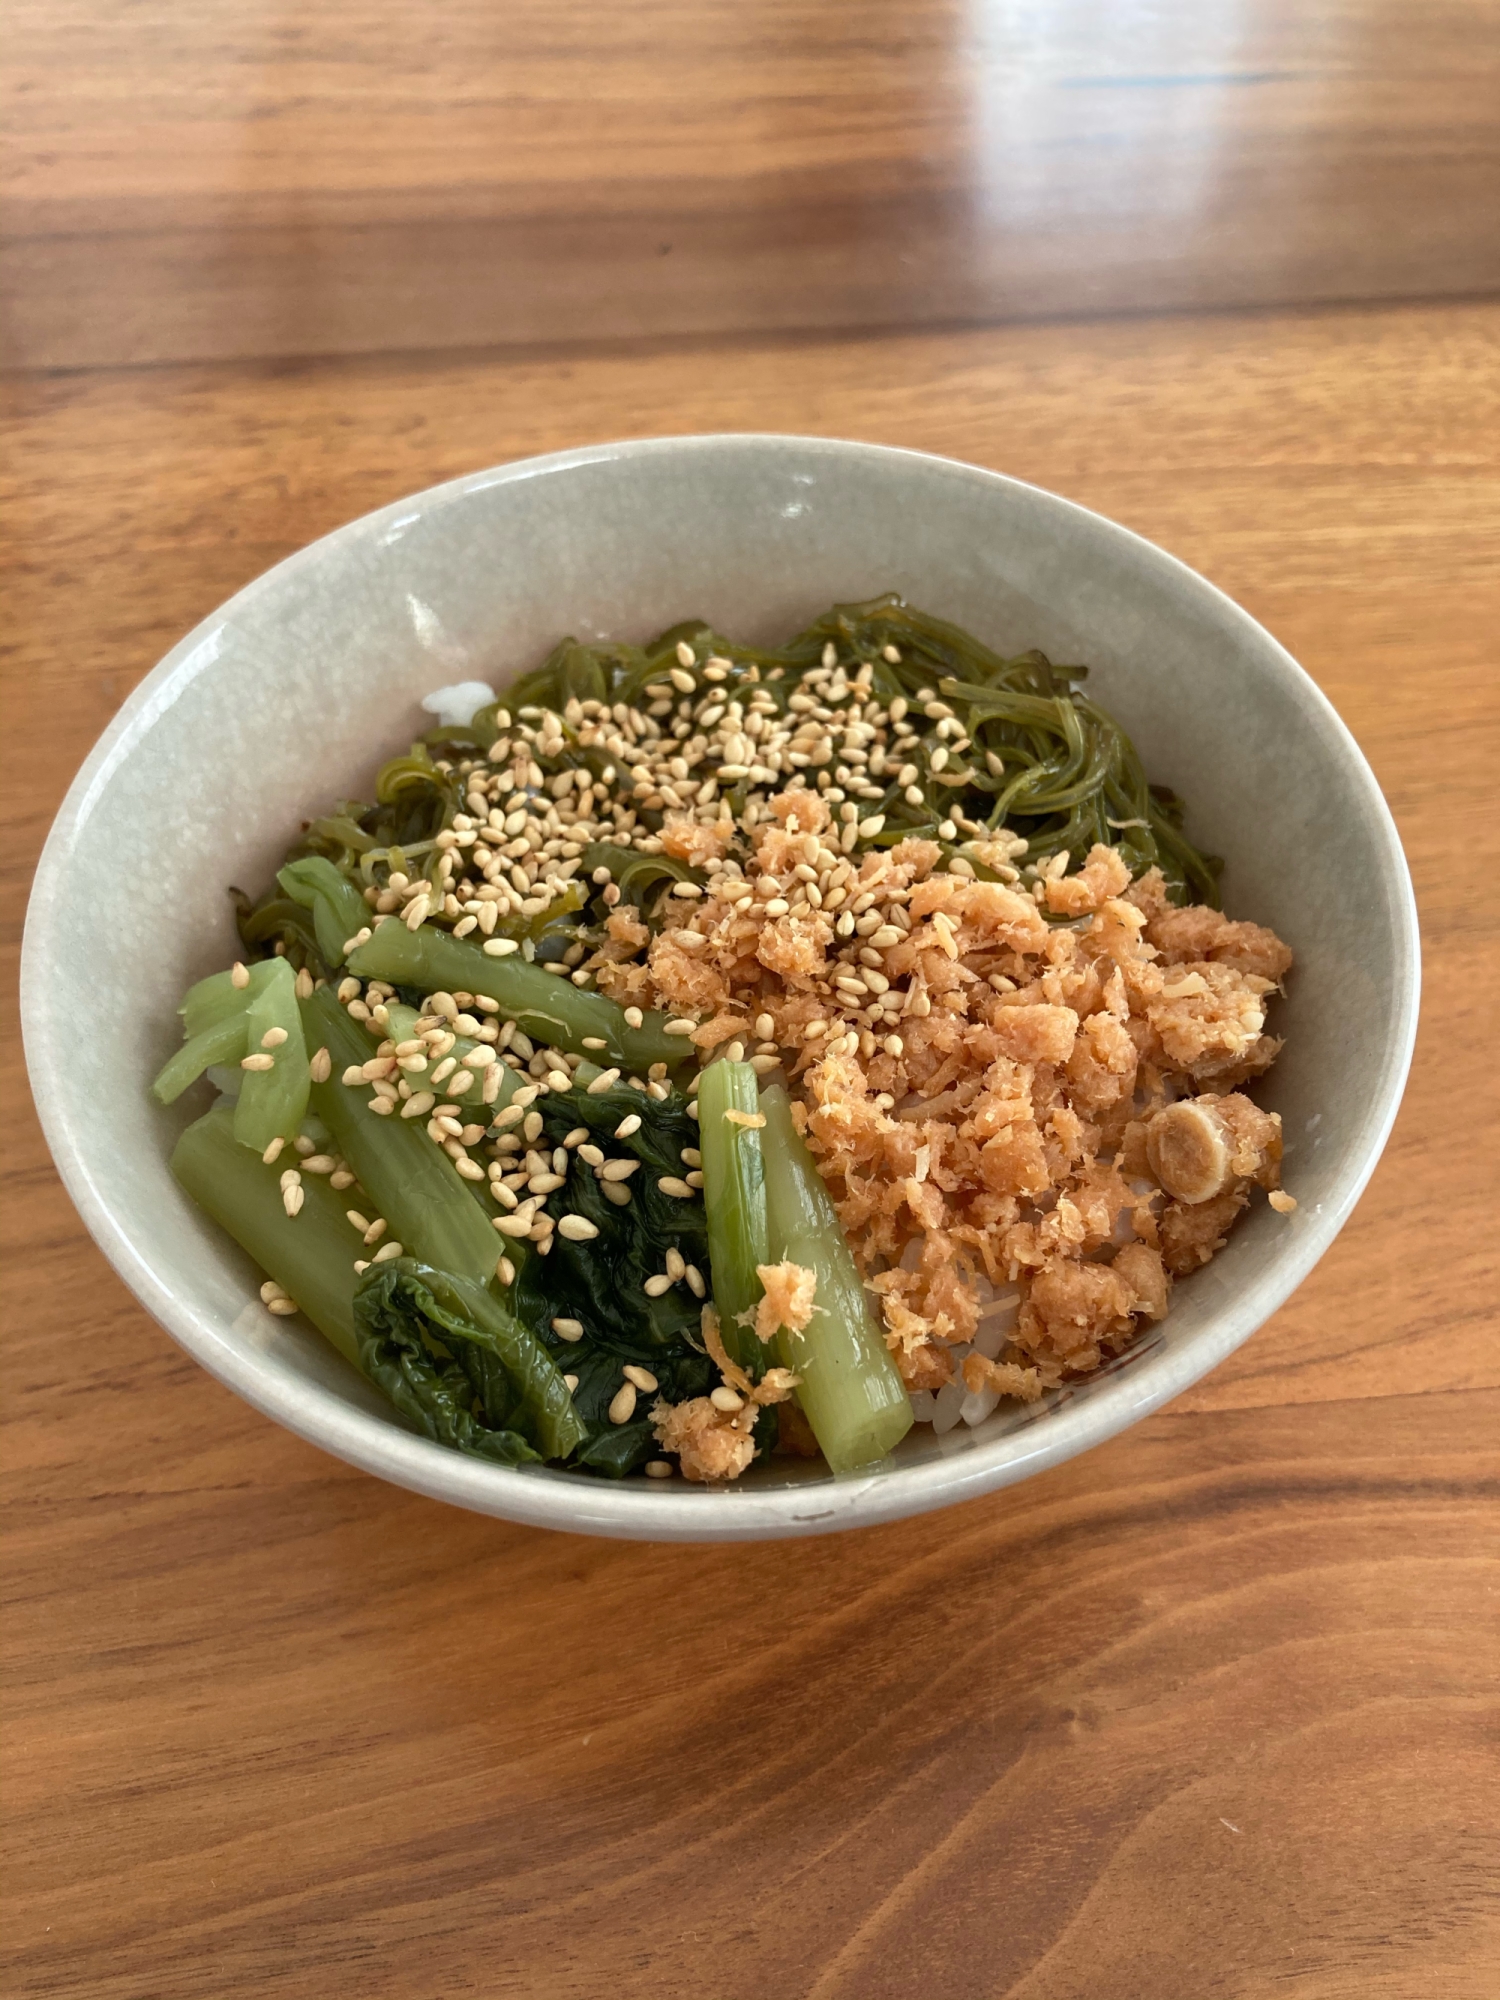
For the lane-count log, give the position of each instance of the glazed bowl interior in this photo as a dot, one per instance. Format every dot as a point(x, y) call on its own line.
point(291, 695)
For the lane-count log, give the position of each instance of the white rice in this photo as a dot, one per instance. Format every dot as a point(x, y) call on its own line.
point(455, 707)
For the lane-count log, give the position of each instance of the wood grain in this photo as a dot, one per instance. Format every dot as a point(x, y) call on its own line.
point(1208, 1712)
point(254, 181)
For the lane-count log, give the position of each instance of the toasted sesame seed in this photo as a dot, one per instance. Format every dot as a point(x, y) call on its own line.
point(678, 1189)
point(618, 1170)
point(622, 1404)
point(658, 1284)
point(695, 1281)
point(724, 1398)
point(387, 1252)
point(531, 1127)
point(292, 1198)
point(273, 1038)
point(686, 657)
point(605, 1080)
point(751, 1120)
point(271, 1290)
point(592, 1154)
point(500, 947)
point(616, 1192)
point(568, 1329)
point(418, 1104)
point(505, 1271)
point(765, 1027)
point(273, 1152)
point(512, 1225)
point(375, 1230)
point(577, 1229)
point(283, 1308)
point(361, 1222)
point(658, 1468)
point(641, 1377)
point(679, 1027)
point(572, 1382)
point(257, 1062)
point(319, 1163)
point(239, 975)
point(676, 1268)
point(627, 1127)
point(595, 1042)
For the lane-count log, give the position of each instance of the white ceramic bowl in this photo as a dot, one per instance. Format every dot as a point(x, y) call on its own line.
point(291, 694)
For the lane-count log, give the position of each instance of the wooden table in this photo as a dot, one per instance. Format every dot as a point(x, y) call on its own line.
point(1208, 1712)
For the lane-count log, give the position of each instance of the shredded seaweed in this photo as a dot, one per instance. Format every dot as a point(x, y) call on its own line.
point(1068, 774)
point(1041, 760)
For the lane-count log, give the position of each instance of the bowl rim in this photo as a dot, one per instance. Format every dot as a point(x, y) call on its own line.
point(638, 1510)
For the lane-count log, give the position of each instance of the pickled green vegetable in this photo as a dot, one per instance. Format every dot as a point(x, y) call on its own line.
point(851, 1391)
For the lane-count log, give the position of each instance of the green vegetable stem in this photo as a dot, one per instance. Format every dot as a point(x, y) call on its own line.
point(734, 1193)
point(311, 1256)
point(851, 1391)
point(214, 1021)
point(486, 1096)
point(547, 1007)
point(340, 912)
point(412, 1183)
point(273, 1100)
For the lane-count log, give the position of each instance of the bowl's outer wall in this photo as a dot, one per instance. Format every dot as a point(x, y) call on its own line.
point(290, 695)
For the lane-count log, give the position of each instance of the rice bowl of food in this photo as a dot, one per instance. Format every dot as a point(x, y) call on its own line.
point(726, 1065)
